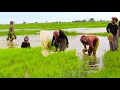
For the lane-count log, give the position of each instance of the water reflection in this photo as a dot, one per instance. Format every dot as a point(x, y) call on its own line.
point(11, 44)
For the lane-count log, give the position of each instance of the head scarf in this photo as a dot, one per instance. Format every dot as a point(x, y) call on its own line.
point(11, 22)
point(56, 33)
point(26, 38)
point(81, 39)
point(115, 18)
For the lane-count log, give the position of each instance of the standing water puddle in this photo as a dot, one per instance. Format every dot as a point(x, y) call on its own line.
point(86, 30)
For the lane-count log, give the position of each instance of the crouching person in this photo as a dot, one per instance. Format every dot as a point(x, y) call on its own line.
point(60, 40)
point(92, 41)
point(25, 44)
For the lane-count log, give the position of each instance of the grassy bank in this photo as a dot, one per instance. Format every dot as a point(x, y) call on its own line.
point(99, 34)
point(31, 32)
point(29, 63)
point(57, 25)
point(76, 33)
point(21, 32)
point(111, 66)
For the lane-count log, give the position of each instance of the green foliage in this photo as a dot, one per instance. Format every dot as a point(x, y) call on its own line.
point(52, 26)
point(30, 63)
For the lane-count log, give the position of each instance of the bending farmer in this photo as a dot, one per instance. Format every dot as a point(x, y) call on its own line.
point(92, 41)
point(60, 39)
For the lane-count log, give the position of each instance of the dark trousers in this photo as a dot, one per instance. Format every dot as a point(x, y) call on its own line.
point(60, 43)
point(114, 43)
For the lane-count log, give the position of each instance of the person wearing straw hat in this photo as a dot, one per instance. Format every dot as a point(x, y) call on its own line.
point(112, 30)
point(25, 44)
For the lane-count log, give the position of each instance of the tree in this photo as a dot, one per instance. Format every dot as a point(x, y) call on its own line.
point(91, 20)
point(24, 22)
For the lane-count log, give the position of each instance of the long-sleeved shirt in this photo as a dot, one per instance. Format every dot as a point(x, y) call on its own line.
point(61, 35)
point(112, 28)
point(25, 44)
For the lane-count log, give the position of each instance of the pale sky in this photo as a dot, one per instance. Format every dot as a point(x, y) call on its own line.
point(31, 17)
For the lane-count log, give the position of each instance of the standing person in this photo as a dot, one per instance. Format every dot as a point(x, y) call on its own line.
point(119, 29)
point(25, 44)
point(61, 39)
point(11, 34)
point(92, 41)
point(112, 28)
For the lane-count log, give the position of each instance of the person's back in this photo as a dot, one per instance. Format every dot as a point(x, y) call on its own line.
point(60, 39)
point(25, 44)
point(92, 39)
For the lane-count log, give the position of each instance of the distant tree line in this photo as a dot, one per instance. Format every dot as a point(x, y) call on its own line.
point(84, 20)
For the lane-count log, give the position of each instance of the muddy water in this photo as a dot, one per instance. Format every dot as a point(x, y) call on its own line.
point(87, 30)
point(81, 30)
point(34, 41)
point(74, 43)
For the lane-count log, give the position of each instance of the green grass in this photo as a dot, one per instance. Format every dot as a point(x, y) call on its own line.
point(99, 34)
point(111, 66)
point(21, 32)
point(30, 32)
point(57, 25)
point(29, 63)
point(71, 33)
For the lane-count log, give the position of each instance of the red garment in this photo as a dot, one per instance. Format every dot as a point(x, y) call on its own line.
point(92, 40)
point(56, 34)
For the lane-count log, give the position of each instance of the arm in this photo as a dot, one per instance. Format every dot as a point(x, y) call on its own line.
point(52, 40)
point(85, 46)
point(108, 30)
point(29, 45)
point(90, 47)
point(85, 49)
point(66, 39)
point(22, 45)
point(117, 31)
